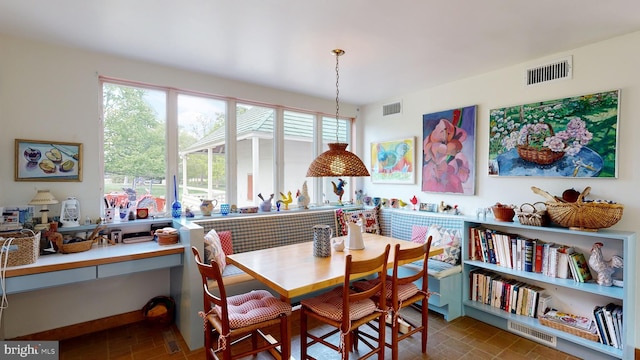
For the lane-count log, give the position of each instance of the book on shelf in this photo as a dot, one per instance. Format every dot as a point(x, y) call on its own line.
point(544, 304)
point(601, 325)
point(617, 318)
point(581, 267)
point(491, 251)
point(476, 248)
point(611, 327)
point(537, 264)
point(553, 261)
point(563, 271)
point(529, 249)
point(520, 253)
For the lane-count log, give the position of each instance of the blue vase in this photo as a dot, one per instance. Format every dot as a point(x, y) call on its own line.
point(176, 209)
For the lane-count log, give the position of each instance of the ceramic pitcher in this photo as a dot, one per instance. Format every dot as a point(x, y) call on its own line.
point(354, 237)
point(322, 235)
point(207, 206)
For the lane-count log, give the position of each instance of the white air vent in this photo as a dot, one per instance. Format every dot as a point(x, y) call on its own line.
point(391, 109)
point(556, 70)
point(532, 334)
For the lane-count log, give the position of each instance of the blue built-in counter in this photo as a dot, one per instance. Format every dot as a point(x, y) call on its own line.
point(100, 261)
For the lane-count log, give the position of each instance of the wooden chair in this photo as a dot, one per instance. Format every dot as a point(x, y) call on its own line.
point(402, 293)
point(239, 317)
point(345, 310)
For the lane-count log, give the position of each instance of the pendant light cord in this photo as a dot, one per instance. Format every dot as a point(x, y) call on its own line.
point(337, 93)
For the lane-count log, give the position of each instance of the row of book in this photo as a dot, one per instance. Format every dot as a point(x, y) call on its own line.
point(520, 298)
point(608, 321)
point(523, 254)
point(510, 295)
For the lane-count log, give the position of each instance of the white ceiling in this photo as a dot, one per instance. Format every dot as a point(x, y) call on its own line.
point(392, 47)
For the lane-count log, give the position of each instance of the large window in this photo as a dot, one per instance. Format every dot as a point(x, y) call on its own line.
point(134, 147)
point(152, 134)
point(201, 144)
point(254, 143)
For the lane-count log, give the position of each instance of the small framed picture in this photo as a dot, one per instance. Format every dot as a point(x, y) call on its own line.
point(428, 207)
point(41, 160)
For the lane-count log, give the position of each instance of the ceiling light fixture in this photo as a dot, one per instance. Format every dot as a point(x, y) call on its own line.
point(337, 161)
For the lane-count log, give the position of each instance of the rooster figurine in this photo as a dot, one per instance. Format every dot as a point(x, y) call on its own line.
point(303, 197)
point(286, 200)
point(604, 268)
point(414, 201)
point(339, 189)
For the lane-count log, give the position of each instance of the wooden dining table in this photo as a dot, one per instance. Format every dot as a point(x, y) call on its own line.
point(293, 270)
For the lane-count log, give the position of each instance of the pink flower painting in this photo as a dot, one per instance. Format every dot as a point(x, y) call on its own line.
point(449, 151)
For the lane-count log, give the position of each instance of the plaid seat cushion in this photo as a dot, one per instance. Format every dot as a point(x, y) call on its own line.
point(329, 305)
point(253, 307)
point(405, 291)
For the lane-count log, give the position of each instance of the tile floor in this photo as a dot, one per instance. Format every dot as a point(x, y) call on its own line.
point(462, 338)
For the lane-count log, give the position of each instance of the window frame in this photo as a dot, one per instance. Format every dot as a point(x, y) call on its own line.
point(172, 146)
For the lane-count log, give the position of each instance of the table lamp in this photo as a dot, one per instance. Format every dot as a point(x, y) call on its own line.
point(44, 198)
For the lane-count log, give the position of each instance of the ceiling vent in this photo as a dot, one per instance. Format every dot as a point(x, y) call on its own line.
point(556, 70)
point(391, 109)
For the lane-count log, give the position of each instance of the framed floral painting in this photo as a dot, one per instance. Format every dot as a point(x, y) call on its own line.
point(393, 161)
point(570, 137)
point(449, 151)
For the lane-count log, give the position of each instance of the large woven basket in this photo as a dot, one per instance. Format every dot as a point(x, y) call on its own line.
point(581, 215)
point(24, 249)
point(569, 329)
point(539, 156)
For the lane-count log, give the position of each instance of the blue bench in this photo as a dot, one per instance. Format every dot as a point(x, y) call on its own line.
point(445, 281)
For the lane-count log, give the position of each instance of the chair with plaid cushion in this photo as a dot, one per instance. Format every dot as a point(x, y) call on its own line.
point(240, 317)
point(345, 309)
point(402, 293)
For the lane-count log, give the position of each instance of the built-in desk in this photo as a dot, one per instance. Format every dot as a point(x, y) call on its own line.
point(101, 261)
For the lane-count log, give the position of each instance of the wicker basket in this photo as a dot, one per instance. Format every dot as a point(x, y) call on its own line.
point(167, 239)
point(503, 213)
point(580, 215)
point(539, 156)
point(24, 248)
point(75, 247)
point(569, 329)
point(528, 214)
point(160, 310)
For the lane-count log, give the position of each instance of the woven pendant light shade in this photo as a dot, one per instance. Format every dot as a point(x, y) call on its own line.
point(337, 161)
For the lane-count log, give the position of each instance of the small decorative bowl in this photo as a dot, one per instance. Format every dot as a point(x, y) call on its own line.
point(503, 213)
point(248, 210)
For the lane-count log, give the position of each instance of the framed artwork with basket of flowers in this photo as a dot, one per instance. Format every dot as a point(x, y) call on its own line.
point(570, 137)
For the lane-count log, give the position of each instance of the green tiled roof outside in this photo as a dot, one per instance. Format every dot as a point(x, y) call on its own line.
point(261, 120)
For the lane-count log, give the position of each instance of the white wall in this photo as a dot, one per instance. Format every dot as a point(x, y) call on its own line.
point(49, 92)
point(608, 65)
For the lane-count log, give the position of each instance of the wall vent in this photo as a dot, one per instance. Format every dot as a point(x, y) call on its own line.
point(556, 70)
point(532, 334)
point(391, 109)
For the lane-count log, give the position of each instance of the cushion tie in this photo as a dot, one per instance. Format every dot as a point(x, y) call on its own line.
point(222, 339)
